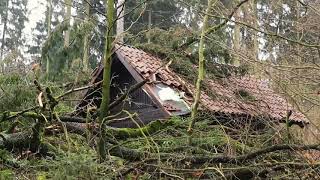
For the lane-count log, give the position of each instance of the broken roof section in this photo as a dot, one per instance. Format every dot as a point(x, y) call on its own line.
point(232, 96)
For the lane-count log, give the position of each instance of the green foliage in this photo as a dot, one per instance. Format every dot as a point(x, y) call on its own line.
point(16, 92)
point(75, 166)
point(17, 16)
point(169, 50)
point(6, 174)
point(40, 32)
point(163, 14)
point(77, 162)
point(6, 159)
point(63, 58)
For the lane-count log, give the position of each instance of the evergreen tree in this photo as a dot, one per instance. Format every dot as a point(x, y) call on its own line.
point(13, 17)
point(4, 10)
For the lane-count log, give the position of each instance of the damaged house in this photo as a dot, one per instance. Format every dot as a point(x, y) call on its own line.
point(166, 93)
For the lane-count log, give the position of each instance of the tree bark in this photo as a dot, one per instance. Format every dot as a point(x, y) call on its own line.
point(49, 34)
point(104, 106)
point(11, 115)
point(122, 133)
point(131, 154)
point(201, 71)
point(255, 50)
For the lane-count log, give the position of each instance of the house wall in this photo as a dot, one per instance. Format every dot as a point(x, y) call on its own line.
point(138, 102)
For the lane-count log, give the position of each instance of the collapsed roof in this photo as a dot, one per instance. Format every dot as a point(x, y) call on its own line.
point(233, 95)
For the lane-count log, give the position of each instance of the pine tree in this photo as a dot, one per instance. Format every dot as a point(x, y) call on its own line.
point(13, 17)
point(4, 18)
point(17, 19)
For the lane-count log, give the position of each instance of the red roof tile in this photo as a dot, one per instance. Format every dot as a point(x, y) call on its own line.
point(265, 101)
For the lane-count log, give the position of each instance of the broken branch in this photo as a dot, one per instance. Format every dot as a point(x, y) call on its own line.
point(125, 95)
point(78, 89)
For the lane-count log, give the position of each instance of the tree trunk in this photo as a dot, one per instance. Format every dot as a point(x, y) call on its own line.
point(120, 20)
point(86, 51)
point(104, 106)
point(67, 18)
point(49, 33)
point(149, 25)
point(236, 39)
point(123, 133)
point(255, 49)
point(4, 32)
point(201, 71)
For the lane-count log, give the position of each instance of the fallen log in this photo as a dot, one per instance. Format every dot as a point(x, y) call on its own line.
point(11, 115)
point(26, 141)
point(122, 133)
point(131, 154)
point(16, 140)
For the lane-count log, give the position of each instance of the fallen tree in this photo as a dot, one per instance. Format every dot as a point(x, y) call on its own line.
point(130, 154)
point(122, 133)
point(6, 116)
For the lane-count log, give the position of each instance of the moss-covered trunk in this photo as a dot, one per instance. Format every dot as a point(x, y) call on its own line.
point(201, 71)
point(104, 106)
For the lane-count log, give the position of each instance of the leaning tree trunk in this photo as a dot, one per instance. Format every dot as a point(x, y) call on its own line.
point(201, 71)
point(86, 43)
point(104, 106)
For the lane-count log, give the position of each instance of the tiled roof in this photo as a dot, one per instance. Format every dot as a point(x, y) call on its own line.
point(265, 101)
